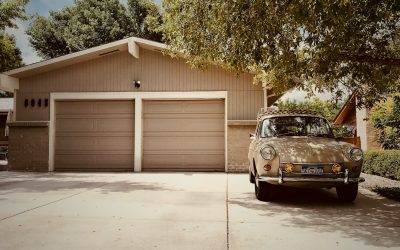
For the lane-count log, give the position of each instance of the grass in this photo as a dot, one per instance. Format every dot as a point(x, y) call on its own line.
point(392, 193)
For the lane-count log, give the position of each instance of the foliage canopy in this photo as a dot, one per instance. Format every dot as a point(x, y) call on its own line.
point(304, 44)
point(386, 117)
point(10, 55)
point(89, 23)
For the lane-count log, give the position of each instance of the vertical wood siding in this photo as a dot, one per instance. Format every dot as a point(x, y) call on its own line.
point(156, 72)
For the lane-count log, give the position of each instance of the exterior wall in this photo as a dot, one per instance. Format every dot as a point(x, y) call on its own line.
point(372, 137)
point(238, 147)
point(28, 148)
point(369, 135)
point(156, 72)
point(362, 127)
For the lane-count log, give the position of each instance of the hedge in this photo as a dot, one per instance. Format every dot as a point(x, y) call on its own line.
point(384, 163)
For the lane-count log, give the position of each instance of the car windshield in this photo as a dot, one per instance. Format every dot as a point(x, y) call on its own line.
point(296, 126)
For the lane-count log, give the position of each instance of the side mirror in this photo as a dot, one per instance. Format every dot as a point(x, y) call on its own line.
point(252, 136)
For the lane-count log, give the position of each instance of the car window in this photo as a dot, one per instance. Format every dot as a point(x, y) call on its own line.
point(317, 126)
point(295, 126)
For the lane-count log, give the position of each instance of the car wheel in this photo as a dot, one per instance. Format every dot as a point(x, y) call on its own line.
point(263, 190)
point(251, 177)
point(347, 193)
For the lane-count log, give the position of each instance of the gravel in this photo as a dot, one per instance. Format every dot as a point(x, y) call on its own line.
point(373, 181)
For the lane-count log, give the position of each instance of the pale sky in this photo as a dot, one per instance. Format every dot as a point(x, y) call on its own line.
point(42, 8)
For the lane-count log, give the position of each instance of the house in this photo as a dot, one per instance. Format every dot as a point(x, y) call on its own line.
point(357, 120)
point(125, 106)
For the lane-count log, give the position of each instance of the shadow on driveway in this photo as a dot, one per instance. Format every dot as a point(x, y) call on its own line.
point(63, 182)
point(370, 219)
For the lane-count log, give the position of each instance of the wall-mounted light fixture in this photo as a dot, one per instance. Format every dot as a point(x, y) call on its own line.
point(136, 83)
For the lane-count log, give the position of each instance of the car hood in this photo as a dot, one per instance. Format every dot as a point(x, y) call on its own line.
point(307, 149)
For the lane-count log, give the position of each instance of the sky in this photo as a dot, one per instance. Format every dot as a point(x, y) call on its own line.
point(42, 8)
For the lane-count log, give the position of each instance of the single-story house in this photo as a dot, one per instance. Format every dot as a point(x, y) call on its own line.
point(357, 120)
point(125, 106)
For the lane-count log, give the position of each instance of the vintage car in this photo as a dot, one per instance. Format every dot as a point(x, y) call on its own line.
point(298, 149)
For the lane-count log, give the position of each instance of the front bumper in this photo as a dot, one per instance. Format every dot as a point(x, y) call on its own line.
point(281, 179)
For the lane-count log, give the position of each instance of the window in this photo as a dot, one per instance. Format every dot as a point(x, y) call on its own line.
point(296, 126)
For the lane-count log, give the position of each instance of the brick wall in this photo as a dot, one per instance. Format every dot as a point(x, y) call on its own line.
point(28, 147)
point(238, 146)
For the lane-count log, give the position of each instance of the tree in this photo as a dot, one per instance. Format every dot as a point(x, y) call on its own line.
point(89, 23)
point(304, 44)
point(11, 10)
point(385, 116)
point(327, 109)
point(144, 13)
point(10, 55)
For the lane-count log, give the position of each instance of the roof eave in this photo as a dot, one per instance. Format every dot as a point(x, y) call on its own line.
point(130, 44)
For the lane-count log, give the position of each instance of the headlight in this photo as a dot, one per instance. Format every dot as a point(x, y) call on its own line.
point(356, 154)
point(267, 152)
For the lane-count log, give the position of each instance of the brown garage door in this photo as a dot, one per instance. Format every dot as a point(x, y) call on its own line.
point(184, 135)
point(94, 136)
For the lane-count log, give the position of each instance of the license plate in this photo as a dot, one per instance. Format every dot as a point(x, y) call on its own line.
point(312, 170)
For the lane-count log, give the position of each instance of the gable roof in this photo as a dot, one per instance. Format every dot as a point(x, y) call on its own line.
point(345, 111)
point(130, 44)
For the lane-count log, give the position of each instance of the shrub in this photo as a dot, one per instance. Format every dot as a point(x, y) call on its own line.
point(392, 193)
point(384, 163)
point(386, 117)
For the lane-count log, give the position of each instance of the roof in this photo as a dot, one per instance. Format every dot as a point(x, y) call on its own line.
point(346, 110)
point(130, 44)
point(6, 104)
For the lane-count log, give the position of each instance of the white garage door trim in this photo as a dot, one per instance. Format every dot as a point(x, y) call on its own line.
point(138, 97)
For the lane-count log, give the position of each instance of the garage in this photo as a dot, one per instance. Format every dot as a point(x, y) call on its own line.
point(126, 106)
point(94, 135)
point(184, 135)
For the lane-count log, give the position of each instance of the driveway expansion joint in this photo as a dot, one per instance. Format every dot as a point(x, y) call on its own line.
point(49, 203)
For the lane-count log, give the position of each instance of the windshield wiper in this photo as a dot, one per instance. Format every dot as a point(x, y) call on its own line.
point(286, 134)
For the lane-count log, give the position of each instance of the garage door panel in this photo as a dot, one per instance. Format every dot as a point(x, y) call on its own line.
point(94, 116)
point(75, 125)
point(182, 116)
point(114, 107)
point(116, 125)
point(94, 143)
point(93, 107)
point(198, 125)
point(94, 135)
point(90, 125)
point(75, 107)
point(104, 162)
point(183, 143)
point(184, 162)
point(184, 135)
point(175, 107)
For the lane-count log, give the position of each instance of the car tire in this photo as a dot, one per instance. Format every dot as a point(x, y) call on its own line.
point(348, 192)
point(252, 179)
point(263, 190)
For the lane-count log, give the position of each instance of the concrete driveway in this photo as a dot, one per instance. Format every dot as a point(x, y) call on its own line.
point(184, 211)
